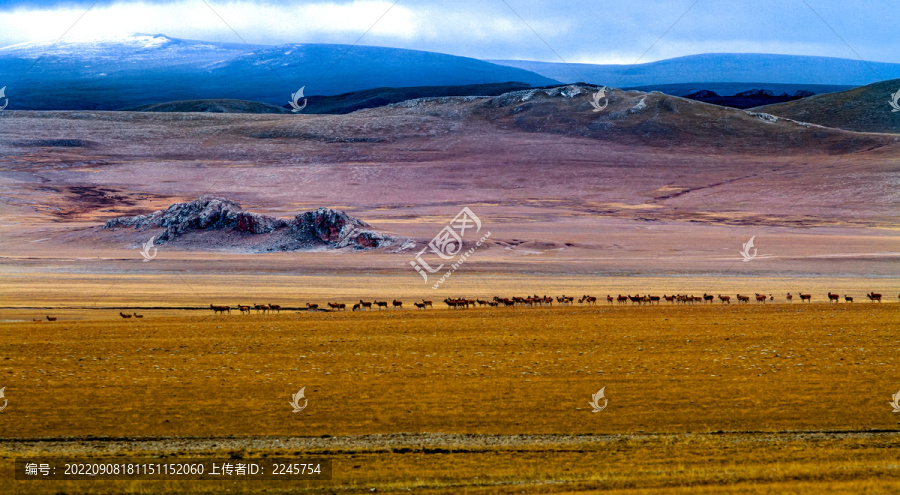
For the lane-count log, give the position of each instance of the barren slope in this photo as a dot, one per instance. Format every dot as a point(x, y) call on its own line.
point(864, 109)
point(651, 182)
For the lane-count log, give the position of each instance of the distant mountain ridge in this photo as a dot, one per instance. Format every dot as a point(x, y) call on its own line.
point(719, 67)
point(150, 69)
point(142, 70)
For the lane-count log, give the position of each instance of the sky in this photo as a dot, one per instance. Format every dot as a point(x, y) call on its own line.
point(579, 31)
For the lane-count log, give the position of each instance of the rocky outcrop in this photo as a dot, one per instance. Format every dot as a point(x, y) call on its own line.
point(219, 223)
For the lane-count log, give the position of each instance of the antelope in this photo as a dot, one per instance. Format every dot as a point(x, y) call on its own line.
point(452, 303)
point(261, 307)
point(397, 304)
point(341, 306)
point(725, 299)
point(832, 297)
point(275, 307)
point(493, 304)
point(609, 299)
point(51, 318)
point(138, 316)
point(636, 299)
point(591, 300)
point(356, 307)
point(760, 298)
point(874, 297)
point(216, 309)
point(848, 298)
point(771, 297)
point(707, 297)
point(653, 299)
point(670, 299)
point(790, 298)
point(805, 297)
point(427, 303)
point(365, 305)
point(419, 305)
point(244, 309)
point(743, 299)
point(481, 303)
point(381, 304)
point(621, 299)
point(312, 306)
point(123, 315)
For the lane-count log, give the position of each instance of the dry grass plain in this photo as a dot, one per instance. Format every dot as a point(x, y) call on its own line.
point(733, 399)
point(702, 399)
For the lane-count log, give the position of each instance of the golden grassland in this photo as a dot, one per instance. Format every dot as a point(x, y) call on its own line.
point(701, 398)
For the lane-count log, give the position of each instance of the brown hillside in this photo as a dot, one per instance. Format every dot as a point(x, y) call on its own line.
point(863, 109)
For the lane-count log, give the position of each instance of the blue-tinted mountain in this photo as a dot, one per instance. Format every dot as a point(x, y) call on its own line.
point(720, 67)
point(146, 69)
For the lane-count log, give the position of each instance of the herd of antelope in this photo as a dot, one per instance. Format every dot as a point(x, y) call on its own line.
point(527, 301)
point(535, 300)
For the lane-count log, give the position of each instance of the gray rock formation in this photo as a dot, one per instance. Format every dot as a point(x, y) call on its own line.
point(218, 223)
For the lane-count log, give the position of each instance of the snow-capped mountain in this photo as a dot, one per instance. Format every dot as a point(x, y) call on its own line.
point(141, 69)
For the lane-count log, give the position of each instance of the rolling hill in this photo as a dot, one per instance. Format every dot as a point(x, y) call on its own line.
point(149, 69)
point(648, 180)
point(337, 104)
point(864, 109)
point(210, 106)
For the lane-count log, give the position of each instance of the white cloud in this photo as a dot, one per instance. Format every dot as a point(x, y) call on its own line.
point(255, 23)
